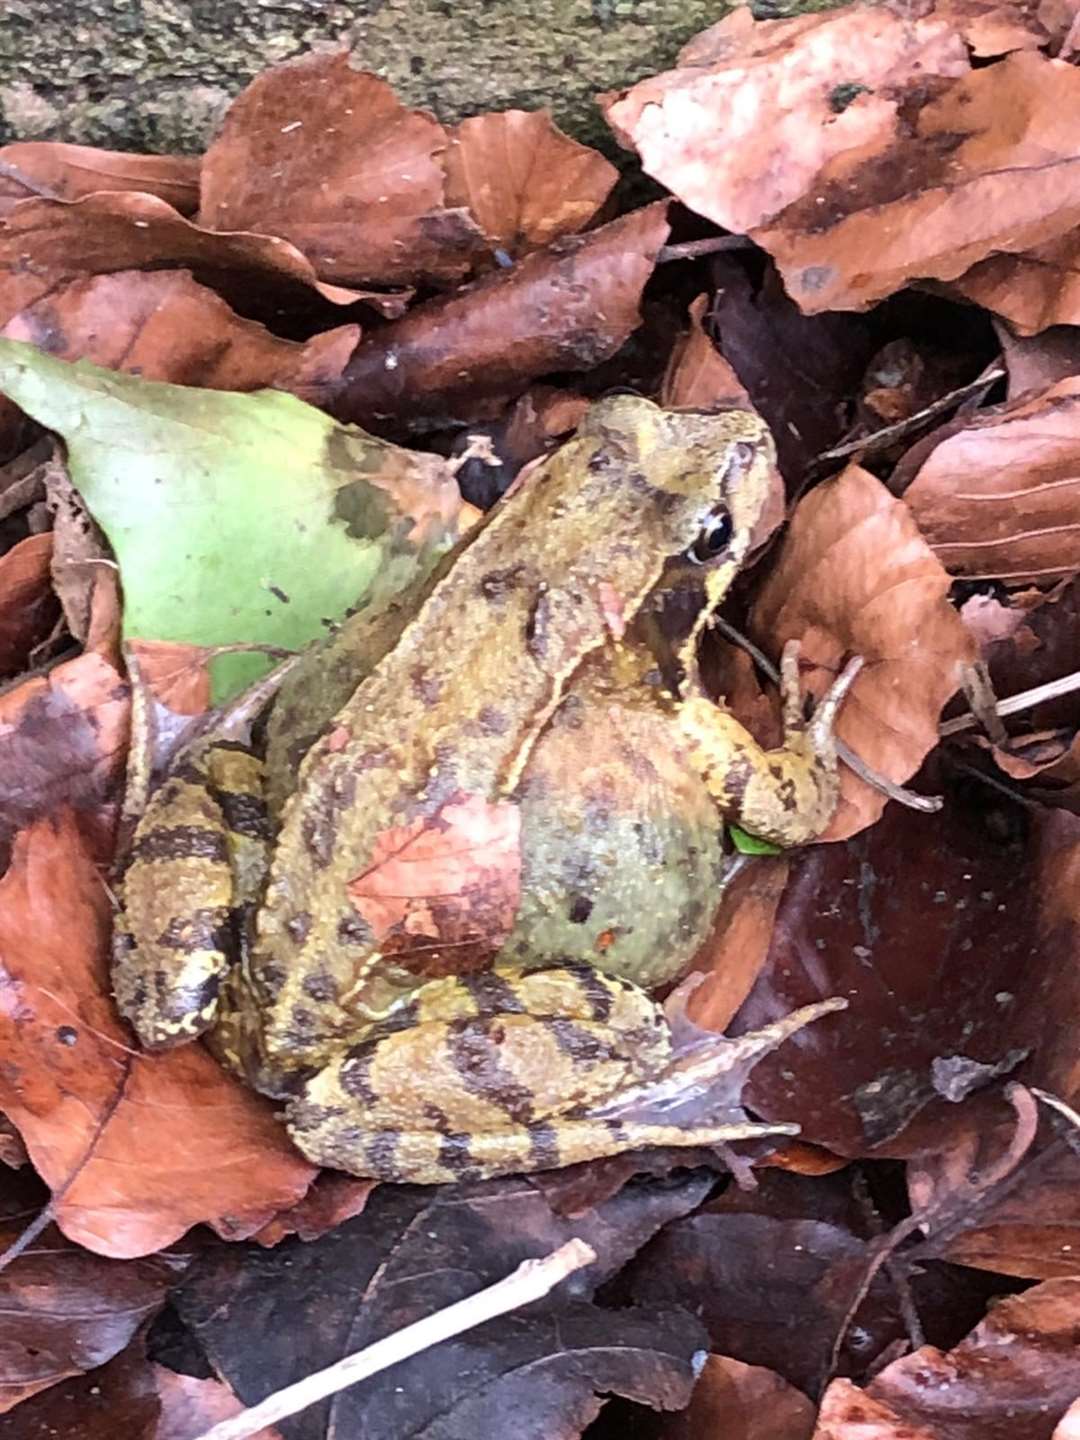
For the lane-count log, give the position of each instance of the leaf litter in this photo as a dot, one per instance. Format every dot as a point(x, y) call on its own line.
point(897, 295)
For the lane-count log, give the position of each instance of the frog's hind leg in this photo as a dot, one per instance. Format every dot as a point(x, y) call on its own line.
point(196, 866)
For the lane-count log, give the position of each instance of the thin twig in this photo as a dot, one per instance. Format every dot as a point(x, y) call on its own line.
point(531, 1280)
point(1013, 704)
point(881, 439)
point(695, 249)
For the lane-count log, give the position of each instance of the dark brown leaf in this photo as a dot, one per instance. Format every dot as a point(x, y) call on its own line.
point(64, 1311)
point(28, 607)
point(564, 308)
point(741, 1402)
point(120, 1398)
point(536, 1373)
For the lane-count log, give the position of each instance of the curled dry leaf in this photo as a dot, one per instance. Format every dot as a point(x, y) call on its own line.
point(994, 27)
point(190, 1406)
point(65, 1311)
point(329, 158)
point(523, 180)
point(136, 1148)
point(1013, 1377)
point(564, 308)
point(1000, 499)
point(855, 577)
point(55, 171)
point(117, 1398)
point(1035, 362)
point(28, 608)
point(697, 375)
point(1037, 289)
point(441, 892)
point(259, 275)
point(991, 166)
point(164, 325)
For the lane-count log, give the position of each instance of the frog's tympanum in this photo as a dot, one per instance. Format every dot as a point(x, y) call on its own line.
point(434, 938)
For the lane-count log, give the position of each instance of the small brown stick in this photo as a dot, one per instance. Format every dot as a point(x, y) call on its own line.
point(695, 249)
point(531, 1280)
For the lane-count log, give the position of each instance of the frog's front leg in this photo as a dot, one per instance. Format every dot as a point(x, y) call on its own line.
point(786, 796)
point(506, 1072)
point(196, 866)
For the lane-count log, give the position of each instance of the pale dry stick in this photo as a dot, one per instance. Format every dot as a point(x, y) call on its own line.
point(1013, 704)
point(530, 1281)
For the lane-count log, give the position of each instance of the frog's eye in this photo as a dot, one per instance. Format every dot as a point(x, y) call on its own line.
point(715, 537)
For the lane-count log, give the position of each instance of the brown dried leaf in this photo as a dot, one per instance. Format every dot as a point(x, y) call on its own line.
point(57, 171)
point(259, 275)
point(848, 1413)
point(741, 1402)
point(329, 158)
point(1001, 498)
point(137, 1148)
point(523, 180)
point(564, 308)
point(163, 325)
point(178, 676)
point(332, 1199)
point(1032, 291)
point(63, 741)
point(448, 882)
point(697, 375)
point(537, 1374)
point(854, 577)
point(1035, 362)
point(897, 920)
point(1013, 1377)
point(992, 167)
point(189, 1407)
point(749, 122)
point(65, 1311)
point(734, 954)
point(116, 1399)
point(28, 607)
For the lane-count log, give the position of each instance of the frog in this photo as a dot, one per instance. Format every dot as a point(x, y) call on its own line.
point(434, 925)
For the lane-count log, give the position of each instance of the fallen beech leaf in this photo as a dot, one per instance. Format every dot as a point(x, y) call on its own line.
point(329, 158)
point(991, 166)
point(848, 1413)
point(63, 742)
point(261, 276)
point(1013, 1377)
point(854, 577)
point(178, 676)
point(749, 121)
point(237, 518)
point(897, 920)
point(331, 1200)
point(564, 308)
point(536, 1374)
point(68, 172)
point(65, 1311)
point(697, 375)
point(442, 891)
point(190, 1406)
point(136, 1148)
point(28, 608)
point(994, 27)
point(1031, 291)
point(741, 1402)
point(163, 325)
point(1035, 362)
point(119, 1398)
point(734, 954)
point(523, 180)
point(1001, 497)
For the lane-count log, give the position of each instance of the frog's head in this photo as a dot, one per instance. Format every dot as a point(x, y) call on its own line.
point(709, 476)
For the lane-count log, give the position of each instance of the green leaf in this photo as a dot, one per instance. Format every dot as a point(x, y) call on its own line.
point(748, 844)
point(236, 518)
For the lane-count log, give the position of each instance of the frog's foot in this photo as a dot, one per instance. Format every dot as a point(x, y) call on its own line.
point(505, 1072)
point(427, 1157)
point(788, 795)
point(196, 862)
